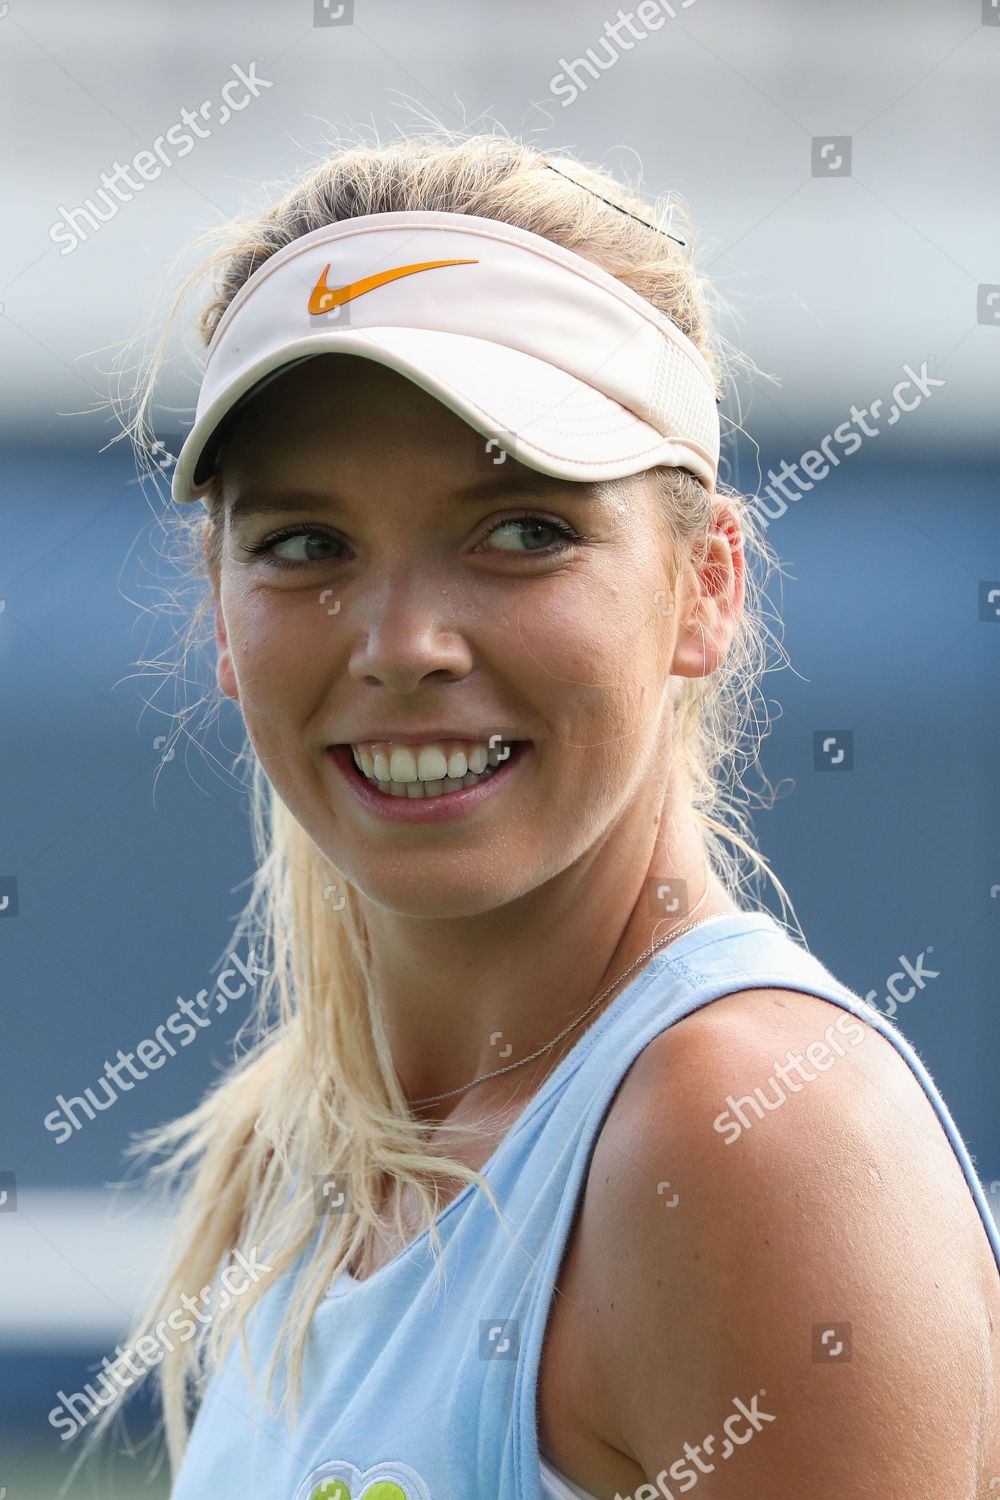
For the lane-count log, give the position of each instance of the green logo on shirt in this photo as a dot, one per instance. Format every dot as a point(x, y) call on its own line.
point(339, 1480)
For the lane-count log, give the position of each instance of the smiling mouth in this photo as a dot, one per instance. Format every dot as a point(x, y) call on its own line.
point(363, 765)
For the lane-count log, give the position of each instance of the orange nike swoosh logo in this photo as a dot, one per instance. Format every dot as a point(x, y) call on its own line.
point(322, 297)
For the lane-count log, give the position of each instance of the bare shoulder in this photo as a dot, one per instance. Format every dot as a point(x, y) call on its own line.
point(786, 1269)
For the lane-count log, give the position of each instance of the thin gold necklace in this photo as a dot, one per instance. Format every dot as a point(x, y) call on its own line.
point(667, 937)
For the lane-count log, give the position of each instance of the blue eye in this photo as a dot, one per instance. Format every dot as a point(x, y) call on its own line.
point(288, 534)
point(526, 527)
point(527, 524)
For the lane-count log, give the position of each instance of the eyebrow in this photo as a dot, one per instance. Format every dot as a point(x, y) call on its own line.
point(256, 499)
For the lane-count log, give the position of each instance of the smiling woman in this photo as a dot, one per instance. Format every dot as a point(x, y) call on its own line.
point(495, 631)
point(527, 635)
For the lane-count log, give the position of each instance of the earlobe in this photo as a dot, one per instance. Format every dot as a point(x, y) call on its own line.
point(697, 651)
point(225, 673)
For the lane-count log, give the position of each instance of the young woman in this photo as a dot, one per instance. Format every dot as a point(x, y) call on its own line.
point(563, 1169)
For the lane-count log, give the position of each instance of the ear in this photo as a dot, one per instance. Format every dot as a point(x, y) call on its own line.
point(225, 672)
point(711, 599)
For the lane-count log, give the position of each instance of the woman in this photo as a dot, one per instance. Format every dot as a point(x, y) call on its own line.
point(493, 627)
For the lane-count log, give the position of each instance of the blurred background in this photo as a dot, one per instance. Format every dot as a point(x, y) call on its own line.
point(839, 167)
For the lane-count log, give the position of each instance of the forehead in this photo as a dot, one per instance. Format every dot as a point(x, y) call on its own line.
point(259, 496)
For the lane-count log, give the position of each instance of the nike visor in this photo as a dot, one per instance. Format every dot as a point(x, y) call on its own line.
point(546, 355)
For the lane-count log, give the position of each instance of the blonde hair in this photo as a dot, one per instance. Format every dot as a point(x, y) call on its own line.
point(314, 1092)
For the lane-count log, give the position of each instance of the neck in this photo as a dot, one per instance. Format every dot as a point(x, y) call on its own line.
point(456, 993)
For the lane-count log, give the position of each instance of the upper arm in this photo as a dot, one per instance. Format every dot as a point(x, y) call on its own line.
point(720, 1262)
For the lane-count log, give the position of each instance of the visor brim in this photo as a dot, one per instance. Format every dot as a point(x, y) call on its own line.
point(543, 417)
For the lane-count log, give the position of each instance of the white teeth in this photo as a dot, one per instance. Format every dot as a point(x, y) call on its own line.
point(402, 764)
point(432, 763)
point(432, 788)
point(430, 769)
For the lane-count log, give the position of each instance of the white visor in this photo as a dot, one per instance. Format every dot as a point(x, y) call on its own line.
point(542, 352)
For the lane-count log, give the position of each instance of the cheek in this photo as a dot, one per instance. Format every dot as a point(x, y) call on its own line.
point(280, 669)
point(279, 641)
point(598, 666)
point(599, 654)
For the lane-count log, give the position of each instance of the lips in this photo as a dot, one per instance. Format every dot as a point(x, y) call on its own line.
point(427, 802)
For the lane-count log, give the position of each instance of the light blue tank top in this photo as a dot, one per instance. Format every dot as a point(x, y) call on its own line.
point(418, 1391)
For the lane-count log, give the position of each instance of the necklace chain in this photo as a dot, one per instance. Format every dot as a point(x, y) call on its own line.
point(667, 937)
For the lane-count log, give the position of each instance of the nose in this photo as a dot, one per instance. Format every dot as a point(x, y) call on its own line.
point(407, 636)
